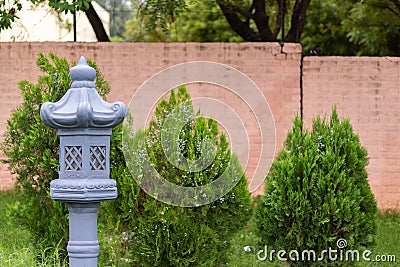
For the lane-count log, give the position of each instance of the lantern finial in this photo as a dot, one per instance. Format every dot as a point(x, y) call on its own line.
point(82, 74)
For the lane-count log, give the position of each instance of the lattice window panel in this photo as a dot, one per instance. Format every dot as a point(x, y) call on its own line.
point(73, 158)
point(98, 158)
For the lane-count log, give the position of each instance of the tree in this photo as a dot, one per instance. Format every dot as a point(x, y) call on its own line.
point(254, 21)
point(9, 13)
point(96, 23)
point(332, 27)
point(199, 22)
point(203, 22)
point(259, 13)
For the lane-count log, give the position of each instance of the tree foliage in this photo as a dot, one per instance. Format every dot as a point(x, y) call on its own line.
point(353, 27)
point(324, 28)
point(254, 21)
point(198, 22)
point(334, 27)
point(8, 13)
point(374, 26)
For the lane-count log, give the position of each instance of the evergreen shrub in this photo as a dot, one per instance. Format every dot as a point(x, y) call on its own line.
point(159, 234)
point(317, 193)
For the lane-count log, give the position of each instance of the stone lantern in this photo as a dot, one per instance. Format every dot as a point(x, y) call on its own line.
point(84, 122)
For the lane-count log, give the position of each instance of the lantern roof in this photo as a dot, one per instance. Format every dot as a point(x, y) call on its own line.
point(82, 106)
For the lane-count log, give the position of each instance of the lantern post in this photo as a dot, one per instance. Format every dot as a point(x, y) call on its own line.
point(84, 123)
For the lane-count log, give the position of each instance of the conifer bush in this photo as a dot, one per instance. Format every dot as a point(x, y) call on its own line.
point(31, 149)
point(159, 234)
point(317, 193)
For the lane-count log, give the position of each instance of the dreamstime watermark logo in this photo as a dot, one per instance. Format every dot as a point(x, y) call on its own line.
point(229, 116)
point(340, 253)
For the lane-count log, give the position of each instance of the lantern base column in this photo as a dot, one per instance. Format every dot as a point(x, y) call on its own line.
point(83, 245)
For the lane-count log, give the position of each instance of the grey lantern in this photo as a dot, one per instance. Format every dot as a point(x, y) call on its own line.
point(84, 122)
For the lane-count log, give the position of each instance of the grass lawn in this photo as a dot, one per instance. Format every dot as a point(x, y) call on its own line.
point(17, 246)
point(387, 243)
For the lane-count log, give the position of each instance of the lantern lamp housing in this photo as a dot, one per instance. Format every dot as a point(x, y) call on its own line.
point(84, 122)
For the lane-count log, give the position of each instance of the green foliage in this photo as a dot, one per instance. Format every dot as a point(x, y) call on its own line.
point(317, 191)
point(8, 13)
point(353, 27)
point(161, 12)
point(338, 27)
point(200, 21)
point(67, 6)
point(324, 27)
point(137, 30)
point(158, 234)
point(374, 26)
point(32, 150)
point(242, 20)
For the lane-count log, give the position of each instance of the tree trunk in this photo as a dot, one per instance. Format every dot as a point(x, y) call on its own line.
point(261, 19)
point(258, 14)
point(298, 20)
point(242, 28)
point(97, 24)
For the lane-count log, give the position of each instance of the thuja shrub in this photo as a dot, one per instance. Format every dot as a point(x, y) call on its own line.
point(159, 234)
point(317, 194)
point(31, 149)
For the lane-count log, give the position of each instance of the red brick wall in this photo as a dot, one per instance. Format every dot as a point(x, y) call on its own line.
point(127, 65)
point(366, 90)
